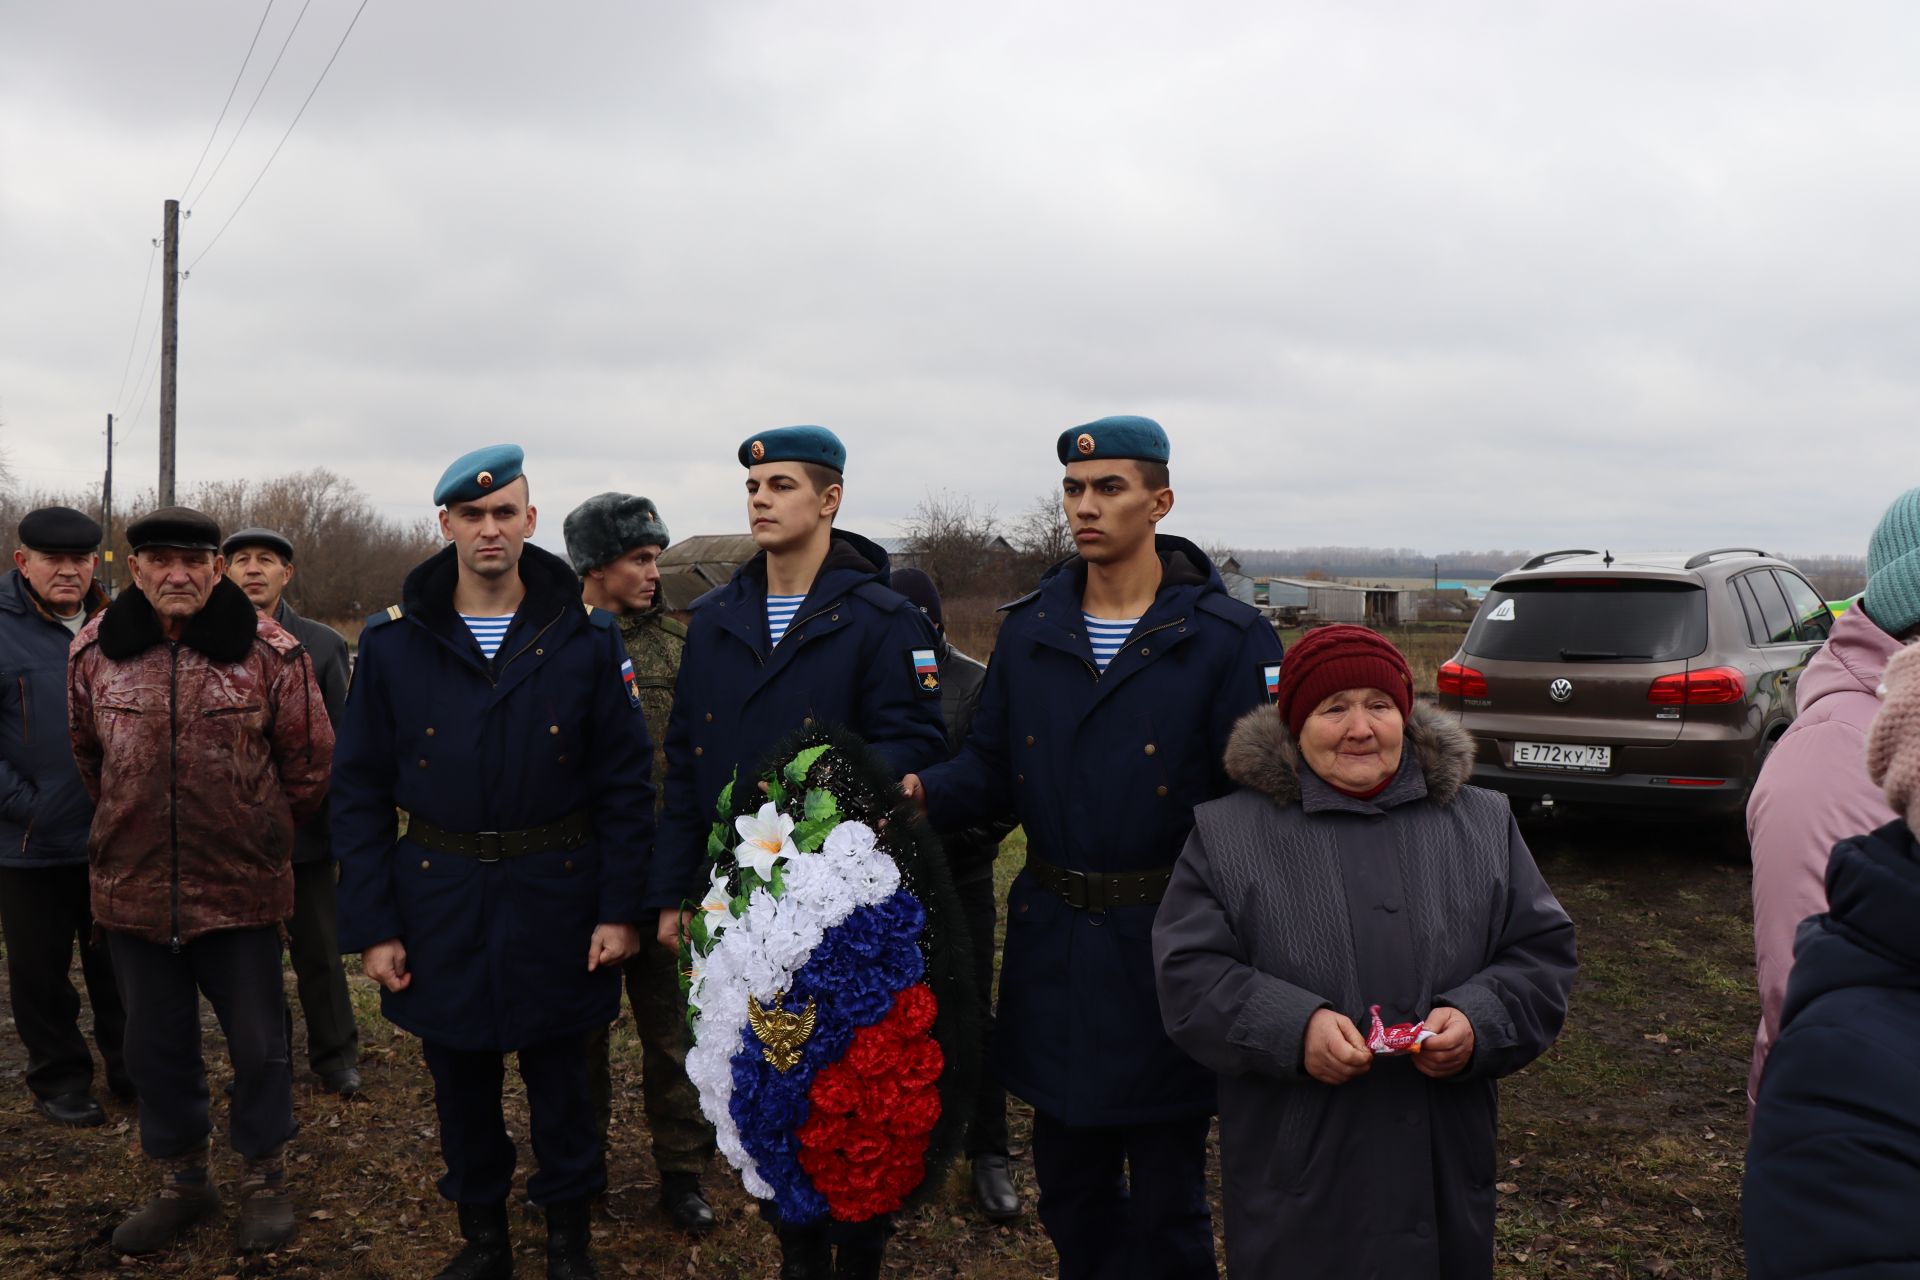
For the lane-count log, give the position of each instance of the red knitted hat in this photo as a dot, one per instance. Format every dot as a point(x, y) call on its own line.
point(1329, 659)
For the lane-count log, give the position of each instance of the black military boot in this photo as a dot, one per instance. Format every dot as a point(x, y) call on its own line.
point(853, 1262)
point(804, 1254)
point(993, 1188)
point(570, 1241)
point(686, 1203)
point(489, 1254)
point(186, 1196)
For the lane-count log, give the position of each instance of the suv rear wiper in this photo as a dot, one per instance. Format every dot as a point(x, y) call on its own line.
point(1589, 655)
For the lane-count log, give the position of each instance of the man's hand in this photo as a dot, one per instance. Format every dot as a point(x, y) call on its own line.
point(1336, 1052)
point(1448, 1050)
point(673, 925)
point(915, 792)
point(611, 944)
point(386, 963)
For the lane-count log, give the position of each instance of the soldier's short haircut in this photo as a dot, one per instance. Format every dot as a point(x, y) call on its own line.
point(1154, 474)
point(822, 475)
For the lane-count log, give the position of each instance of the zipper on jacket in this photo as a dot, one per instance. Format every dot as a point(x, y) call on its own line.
point(795, 625)
point(1097, 673)
point(493, 677)
point(26, 720)
point(173, 778)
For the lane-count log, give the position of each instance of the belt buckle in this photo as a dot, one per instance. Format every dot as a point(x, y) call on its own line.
point(489, 844)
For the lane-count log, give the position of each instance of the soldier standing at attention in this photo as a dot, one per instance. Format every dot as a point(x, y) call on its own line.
point(491, 708)
point(1108, 705)
point(260, 562)
point(614, 541)
point(807, 631)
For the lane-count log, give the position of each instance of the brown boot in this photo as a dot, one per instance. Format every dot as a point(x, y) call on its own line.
point(186, 1196)
point(266, 1214)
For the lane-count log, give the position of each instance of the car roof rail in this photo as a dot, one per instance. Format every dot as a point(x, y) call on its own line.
point(1706, 556)
point(1550, 556)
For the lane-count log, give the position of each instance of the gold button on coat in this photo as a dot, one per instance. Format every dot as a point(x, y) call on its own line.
point(1149, 748)
point(554, 729)
point(429, 731)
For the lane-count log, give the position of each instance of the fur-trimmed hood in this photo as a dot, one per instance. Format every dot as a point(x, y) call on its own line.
point(1264, 756)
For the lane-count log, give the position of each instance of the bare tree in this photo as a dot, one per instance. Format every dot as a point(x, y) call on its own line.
point(1043, 534)
point(952, 539)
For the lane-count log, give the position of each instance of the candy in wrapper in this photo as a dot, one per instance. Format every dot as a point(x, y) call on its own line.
point(1400, 1038)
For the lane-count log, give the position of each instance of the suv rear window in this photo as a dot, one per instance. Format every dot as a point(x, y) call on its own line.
point(1591, 620)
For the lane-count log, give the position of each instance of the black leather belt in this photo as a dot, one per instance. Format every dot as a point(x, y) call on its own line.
point(570, 832)
point(1100, 890)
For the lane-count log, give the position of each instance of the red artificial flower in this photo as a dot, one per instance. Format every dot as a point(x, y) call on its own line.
point(916, 1007)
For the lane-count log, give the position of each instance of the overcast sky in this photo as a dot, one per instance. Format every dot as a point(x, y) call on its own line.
point(1436, 276)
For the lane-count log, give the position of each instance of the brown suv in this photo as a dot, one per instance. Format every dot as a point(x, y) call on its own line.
point(1653, 681)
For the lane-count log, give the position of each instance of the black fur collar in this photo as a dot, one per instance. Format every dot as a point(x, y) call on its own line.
point(224, 630)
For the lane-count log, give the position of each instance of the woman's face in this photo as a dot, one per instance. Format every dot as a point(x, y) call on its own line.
point(1353, 739)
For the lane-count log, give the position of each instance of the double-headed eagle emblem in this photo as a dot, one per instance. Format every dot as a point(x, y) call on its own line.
point(781, 1032)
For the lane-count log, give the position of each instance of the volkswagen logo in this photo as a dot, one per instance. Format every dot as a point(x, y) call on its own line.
point(1560, 690)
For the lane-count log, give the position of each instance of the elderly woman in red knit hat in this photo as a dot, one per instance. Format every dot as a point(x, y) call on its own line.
point(1360, 944)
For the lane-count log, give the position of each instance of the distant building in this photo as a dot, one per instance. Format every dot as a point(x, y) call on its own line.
point(694, 566)
point(901, 555)
point(1342, 601)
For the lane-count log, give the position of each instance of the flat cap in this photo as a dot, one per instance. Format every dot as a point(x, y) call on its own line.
point(59, 529)
point(1124, 435)
point(795, 444)
point(479, 473)
point(608, 525)
point(180, 527)
point(258, 538)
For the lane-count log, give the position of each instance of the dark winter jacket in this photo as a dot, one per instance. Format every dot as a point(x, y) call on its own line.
point(1292, 897)
point(1103, 770)
point(331, 667)
point(45, 810)
point(847, 659)
point(970, 853)
point(1833, 1162)
point(545, 730)
point(201, 756)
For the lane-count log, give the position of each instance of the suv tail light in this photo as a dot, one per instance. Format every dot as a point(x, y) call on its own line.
point(1698, 688)
point(1461, 681)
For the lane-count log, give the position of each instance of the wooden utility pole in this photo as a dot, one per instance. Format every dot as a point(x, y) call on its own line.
point(169, 347)
point(106, 510)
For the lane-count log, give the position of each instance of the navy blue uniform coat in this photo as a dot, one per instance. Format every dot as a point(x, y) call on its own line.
point(1833, 1162)
point(846, 659)
point(1104, 770)
point(498, 951)
point(45, 811)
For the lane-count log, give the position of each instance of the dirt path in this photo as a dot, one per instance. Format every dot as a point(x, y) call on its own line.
point(1622, 1146)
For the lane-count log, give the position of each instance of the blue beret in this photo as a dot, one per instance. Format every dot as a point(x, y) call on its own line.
point(795, 444)
point(476, 474)
point(1122, 436)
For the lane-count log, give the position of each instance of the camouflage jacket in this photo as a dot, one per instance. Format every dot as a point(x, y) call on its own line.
point(654, 642)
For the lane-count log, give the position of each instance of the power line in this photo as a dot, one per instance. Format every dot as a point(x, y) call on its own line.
point(283, 137)
point(147, 375)
point(229, 102)
point(133, 339)
point(258, 94)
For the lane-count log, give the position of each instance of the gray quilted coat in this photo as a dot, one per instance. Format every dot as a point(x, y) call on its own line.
point(1292, 897)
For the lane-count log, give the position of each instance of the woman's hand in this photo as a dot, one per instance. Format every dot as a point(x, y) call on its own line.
point(1450, 1048)
point(1335, 1051)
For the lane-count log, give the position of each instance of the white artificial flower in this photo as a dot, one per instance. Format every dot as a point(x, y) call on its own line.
point(765, 838)
point(849, 838)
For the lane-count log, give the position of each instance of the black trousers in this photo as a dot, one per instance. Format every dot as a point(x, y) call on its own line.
point(238, 970)
point(313, 939)
point(44, 911)
point(473, 1125)
point(1126, 1201)
point(987, 1127)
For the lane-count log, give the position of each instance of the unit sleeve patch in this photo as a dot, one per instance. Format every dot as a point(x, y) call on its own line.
point(630, 681)
point(1270, 680)
point(926, 670)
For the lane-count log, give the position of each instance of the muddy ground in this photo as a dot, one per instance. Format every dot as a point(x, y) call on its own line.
point(1621, 1147)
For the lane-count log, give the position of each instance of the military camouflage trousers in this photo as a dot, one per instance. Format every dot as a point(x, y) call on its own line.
point(682, 1138)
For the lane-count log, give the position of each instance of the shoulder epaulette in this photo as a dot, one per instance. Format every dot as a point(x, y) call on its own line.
point(389, 614)
point(1024, 600)
point(883, 598)
point(1238, 612)
point(674, 627)
point(601, 618)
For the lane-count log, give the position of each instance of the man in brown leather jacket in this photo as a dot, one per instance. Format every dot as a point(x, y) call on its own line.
point(200, 731)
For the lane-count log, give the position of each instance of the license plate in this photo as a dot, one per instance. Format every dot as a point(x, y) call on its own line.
point(1578, 757)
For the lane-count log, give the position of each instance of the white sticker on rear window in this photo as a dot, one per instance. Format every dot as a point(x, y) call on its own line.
point(1503, 612)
